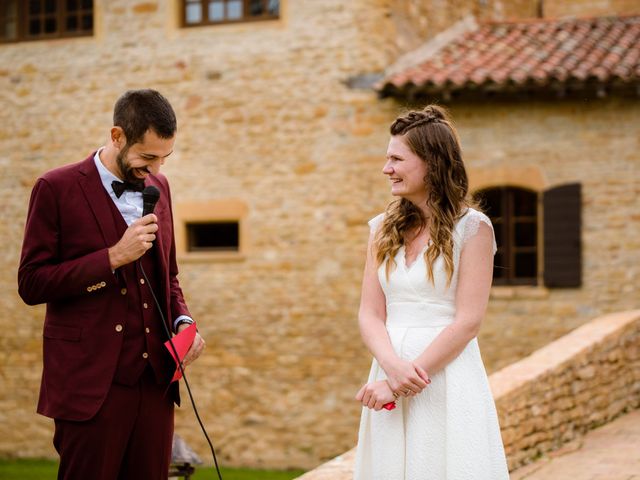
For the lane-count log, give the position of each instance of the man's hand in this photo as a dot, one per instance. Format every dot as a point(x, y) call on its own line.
point(375, 394)
point(137, 239)
point(196, 347)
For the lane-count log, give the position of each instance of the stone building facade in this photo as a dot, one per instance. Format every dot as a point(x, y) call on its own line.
point(276, 136)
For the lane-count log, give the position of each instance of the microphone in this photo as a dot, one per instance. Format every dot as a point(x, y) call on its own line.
point(150, 196)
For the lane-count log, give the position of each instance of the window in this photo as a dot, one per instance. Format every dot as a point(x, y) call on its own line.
point(213, 237)
point(513, 212)
point(44, 19)
point(208, 12)
point(214, 230)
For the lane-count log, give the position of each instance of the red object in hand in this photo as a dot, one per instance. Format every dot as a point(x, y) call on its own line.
point(389, 406)
point(182, 342)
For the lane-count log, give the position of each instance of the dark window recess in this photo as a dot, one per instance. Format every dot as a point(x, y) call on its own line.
point(213, 12)
point(513, 212)
point(213, 237)
point(45, 19)
point(562, 236)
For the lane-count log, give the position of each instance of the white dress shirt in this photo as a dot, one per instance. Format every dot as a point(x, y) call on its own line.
point(130, 203)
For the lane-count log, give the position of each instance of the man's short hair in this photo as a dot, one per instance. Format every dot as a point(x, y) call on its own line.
point(140, 110)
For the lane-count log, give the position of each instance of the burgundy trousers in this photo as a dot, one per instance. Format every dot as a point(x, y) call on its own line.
point(129, 438)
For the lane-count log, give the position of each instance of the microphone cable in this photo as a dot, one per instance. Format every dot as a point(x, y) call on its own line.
point(184, 375)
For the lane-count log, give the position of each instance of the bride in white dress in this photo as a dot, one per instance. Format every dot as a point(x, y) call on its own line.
point(424, 294)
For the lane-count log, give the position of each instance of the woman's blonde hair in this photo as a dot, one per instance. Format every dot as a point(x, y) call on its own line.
point(429, 134)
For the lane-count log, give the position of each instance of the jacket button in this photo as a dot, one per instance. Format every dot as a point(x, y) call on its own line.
point(142, 281)
point(118, 328)
point(145, 305)
point(145, 355)
point(123, 291)
point(147, 330)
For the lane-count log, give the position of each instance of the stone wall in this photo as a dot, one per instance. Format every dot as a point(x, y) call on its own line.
point(540, 145)
point(578, 382)
point(268, 125)
point(574, 384)
point(589, 8)
point(265, 118)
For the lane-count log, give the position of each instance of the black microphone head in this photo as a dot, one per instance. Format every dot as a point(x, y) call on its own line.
point(150, 196)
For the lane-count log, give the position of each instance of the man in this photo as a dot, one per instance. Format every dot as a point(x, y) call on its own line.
point(90, 256)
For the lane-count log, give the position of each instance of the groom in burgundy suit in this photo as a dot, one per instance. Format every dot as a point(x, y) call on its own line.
point(85, 254)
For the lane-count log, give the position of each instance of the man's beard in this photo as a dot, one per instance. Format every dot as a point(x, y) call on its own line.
point(125, 168)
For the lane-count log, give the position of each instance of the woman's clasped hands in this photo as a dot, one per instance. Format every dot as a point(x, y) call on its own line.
point(404, 379)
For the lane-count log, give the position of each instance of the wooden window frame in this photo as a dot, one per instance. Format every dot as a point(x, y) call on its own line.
point(23, 18)
point(206, 21)
point(507, 247)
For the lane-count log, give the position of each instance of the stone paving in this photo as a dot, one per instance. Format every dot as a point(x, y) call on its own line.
point(611, 452)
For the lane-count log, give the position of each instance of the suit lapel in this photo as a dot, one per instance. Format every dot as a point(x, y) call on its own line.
point(164, 222)
point(161, 248)
point(97, 199)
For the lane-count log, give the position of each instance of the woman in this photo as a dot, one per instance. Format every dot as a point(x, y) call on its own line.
point(425, 290)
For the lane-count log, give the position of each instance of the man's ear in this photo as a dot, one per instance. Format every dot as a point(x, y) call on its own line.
point(118, 139)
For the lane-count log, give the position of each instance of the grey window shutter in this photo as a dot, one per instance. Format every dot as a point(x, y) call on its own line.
point(562, 236)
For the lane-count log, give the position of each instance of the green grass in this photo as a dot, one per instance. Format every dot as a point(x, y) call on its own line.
point(47, 469)
point(246, 474)
point(28, 469)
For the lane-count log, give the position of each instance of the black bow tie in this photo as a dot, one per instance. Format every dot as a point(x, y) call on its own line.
point(120, 187)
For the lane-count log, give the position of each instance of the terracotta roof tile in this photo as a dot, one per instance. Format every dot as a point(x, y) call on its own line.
point(538, 52)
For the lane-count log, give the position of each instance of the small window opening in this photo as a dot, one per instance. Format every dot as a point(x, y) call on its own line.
point(213, 237)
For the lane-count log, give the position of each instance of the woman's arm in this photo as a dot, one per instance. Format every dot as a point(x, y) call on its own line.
point(401, 374)
point(472, 296)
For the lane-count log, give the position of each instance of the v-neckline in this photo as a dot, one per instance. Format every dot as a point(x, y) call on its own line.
point(420, 254)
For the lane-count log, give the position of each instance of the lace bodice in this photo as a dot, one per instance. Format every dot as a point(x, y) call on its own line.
point(409, 294)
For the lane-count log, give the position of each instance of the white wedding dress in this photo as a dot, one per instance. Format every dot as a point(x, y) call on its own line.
point(450, 431)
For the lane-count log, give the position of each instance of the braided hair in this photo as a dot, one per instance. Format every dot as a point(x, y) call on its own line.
point(430, 134)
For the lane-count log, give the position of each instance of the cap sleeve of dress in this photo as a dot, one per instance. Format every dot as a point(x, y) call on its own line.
point(375, 222)
point(472, 223)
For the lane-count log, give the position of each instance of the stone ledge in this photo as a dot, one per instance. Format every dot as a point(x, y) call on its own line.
point(559, 352)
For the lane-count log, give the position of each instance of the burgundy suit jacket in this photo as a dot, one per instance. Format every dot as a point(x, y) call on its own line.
point(65, 264)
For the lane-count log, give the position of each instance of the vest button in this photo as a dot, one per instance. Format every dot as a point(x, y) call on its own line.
point(118, 328)
point(145, 305)
point(147, 330)
point(123, 291)
point(145, 355)
point(142, 281)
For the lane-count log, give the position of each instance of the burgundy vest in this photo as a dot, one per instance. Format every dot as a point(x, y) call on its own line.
point(144, 335)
